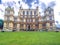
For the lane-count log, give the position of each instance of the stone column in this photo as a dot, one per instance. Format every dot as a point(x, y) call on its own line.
point(5, 26)
point(33, 26)
point(32, 12)
point(18, 27)
point(40, 26)
point(24, 26)
point(11, 25)
point(48, 25)
point(33, 20)
point(54, 26)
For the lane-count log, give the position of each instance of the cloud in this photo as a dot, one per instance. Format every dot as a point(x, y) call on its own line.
point(52, 4)
point(1, 10)
point(43, 5)
point(11, 3)
point(18, 2)
point(28, 2)
point(58, 25)
point(1, 15)
point(57, 22)
point(36, 2)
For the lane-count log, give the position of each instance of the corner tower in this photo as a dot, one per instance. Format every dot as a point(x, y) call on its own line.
point(49, 18)
point(8, 18)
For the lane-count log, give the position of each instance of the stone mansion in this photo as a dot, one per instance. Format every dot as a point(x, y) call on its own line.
point(28, 19)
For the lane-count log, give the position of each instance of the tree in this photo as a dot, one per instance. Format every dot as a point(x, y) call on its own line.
point(1, 24)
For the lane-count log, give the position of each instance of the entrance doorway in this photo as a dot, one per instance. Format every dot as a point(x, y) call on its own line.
point(28, 27)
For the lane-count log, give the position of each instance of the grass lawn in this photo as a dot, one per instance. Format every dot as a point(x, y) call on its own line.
point(29, 38)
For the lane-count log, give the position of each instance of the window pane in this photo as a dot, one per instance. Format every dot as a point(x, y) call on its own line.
point(44, 24)
point(50, 17)
point(31, 13)
point(27, 13)
point(50, 24)
point(34, 12)
point(49, 12)
point(23, 12)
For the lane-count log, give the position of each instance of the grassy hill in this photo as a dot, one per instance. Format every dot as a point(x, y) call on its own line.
point(29, 38)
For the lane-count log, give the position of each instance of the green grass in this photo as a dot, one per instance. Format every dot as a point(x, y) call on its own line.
point(29, 38)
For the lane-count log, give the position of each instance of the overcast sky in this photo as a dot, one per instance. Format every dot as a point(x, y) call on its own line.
point(55, 4)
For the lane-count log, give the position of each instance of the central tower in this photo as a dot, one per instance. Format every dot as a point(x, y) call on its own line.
point(29, 18)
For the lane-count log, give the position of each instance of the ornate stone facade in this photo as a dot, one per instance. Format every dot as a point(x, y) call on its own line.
point(28, 19)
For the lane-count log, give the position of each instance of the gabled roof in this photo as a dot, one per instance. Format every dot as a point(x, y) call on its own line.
point(48, 9)
point(9, 9)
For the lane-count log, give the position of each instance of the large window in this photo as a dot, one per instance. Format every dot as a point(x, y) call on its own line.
point(50, 17)
point(49, 11)
point(51, 24)
point(23, 12)
point(15, 19)
point(27, 20)
point(30, 12)
point(7, 12)
point(43, 24)
point(8, 18)
point(34, 12)
point(27, 13)
point(36, 20)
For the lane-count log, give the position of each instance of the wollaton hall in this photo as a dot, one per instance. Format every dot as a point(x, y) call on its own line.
point(28, 19)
